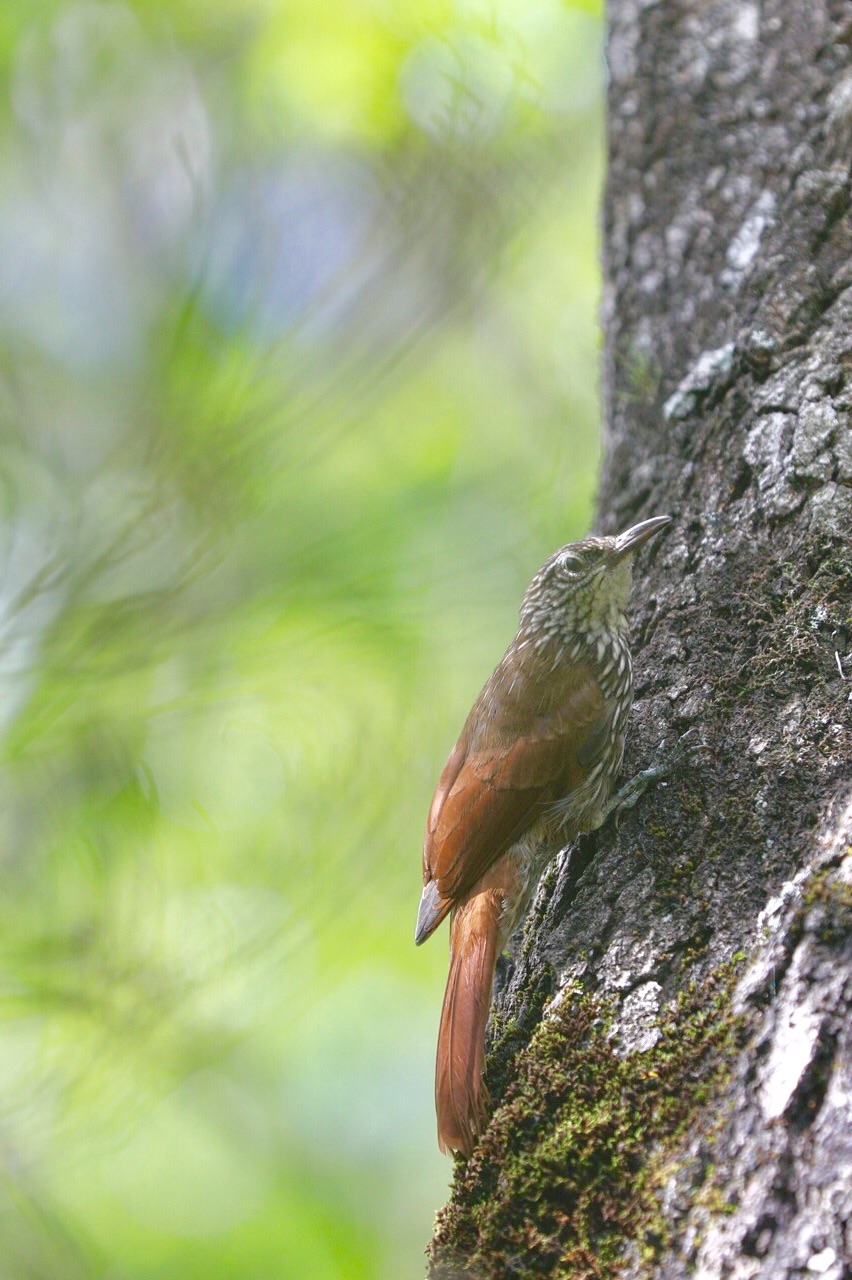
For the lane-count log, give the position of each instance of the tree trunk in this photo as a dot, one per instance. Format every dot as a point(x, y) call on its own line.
point(670, 1051)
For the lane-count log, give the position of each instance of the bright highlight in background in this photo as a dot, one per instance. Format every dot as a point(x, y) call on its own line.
point(298, 386)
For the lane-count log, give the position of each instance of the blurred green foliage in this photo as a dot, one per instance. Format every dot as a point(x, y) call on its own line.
point(297, 387)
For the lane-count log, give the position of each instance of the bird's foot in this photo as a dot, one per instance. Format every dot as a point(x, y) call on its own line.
point(629, 795)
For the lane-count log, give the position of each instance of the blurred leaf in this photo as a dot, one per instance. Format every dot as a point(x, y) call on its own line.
point(297, 389)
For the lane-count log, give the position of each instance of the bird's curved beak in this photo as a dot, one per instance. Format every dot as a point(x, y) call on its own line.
point(634, 537)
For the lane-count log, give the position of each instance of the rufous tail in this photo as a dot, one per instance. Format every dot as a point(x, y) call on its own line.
point(461, 1099)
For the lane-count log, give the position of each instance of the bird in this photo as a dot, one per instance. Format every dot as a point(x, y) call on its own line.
point(536, 762)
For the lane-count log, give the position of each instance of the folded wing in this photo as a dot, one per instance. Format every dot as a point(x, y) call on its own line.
point(498, 781)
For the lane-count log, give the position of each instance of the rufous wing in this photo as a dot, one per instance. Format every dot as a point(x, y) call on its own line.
point(496, 784)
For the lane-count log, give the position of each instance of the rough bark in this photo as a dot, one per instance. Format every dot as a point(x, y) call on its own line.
point(671, 1052)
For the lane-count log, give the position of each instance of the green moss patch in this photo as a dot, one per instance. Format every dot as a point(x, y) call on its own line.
point(569, 1172)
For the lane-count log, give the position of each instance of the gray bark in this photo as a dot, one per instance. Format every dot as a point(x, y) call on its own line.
point(671, 1054)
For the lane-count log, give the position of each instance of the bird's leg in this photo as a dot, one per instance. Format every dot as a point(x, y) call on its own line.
point(628, 795)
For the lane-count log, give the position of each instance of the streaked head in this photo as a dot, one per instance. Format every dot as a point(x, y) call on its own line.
point(589, 579)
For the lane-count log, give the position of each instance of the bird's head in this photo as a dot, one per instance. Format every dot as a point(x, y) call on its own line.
point(585, 584)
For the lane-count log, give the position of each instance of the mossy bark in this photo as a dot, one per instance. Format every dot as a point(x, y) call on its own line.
point(670, 1049)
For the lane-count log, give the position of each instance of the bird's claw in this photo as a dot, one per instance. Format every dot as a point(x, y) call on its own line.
point(630, 794)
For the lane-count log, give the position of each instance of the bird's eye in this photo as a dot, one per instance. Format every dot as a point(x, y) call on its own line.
point(572, 564)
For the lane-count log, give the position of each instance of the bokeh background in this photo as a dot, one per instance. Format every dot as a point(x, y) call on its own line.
point(298, 386)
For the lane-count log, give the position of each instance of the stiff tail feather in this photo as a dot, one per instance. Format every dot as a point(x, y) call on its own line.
point(461, 1099)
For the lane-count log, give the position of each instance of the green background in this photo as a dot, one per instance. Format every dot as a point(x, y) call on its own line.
point(298, 386)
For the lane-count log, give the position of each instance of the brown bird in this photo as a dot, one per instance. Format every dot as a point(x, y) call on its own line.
point(536, 761)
